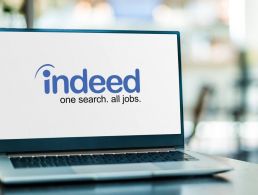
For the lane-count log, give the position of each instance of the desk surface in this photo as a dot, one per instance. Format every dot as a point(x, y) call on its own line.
point(242, 180)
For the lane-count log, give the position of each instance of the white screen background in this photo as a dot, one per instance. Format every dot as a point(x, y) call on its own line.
point(26, 112)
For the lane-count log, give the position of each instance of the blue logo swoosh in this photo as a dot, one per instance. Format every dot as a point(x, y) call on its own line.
point(45, 65)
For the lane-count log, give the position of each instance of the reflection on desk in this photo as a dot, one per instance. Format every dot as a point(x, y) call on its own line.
point(172, 186)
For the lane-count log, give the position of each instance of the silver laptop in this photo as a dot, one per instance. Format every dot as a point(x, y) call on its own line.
point(93, 105)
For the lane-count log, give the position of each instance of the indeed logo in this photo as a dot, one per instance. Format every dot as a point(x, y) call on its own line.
point(84, 82)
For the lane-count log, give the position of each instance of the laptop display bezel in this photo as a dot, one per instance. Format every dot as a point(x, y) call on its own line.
point(105, 142)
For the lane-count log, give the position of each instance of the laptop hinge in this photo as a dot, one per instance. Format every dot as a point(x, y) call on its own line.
point(91, 152)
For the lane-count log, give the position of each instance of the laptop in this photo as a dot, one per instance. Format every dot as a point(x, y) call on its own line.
point(93, 105)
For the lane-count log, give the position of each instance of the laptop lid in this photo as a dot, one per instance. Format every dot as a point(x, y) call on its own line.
point(89, 89)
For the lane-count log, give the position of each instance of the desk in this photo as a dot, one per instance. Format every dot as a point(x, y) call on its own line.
point(243, 180)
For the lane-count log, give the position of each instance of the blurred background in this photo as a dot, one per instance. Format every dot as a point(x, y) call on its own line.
point(219, 54)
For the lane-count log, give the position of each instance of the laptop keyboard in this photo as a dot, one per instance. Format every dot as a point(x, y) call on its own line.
point(98, 159)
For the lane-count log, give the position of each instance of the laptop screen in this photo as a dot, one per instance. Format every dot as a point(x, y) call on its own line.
point(59, 84)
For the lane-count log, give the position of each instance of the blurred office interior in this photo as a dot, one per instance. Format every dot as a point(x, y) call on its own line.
point(219, 54)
